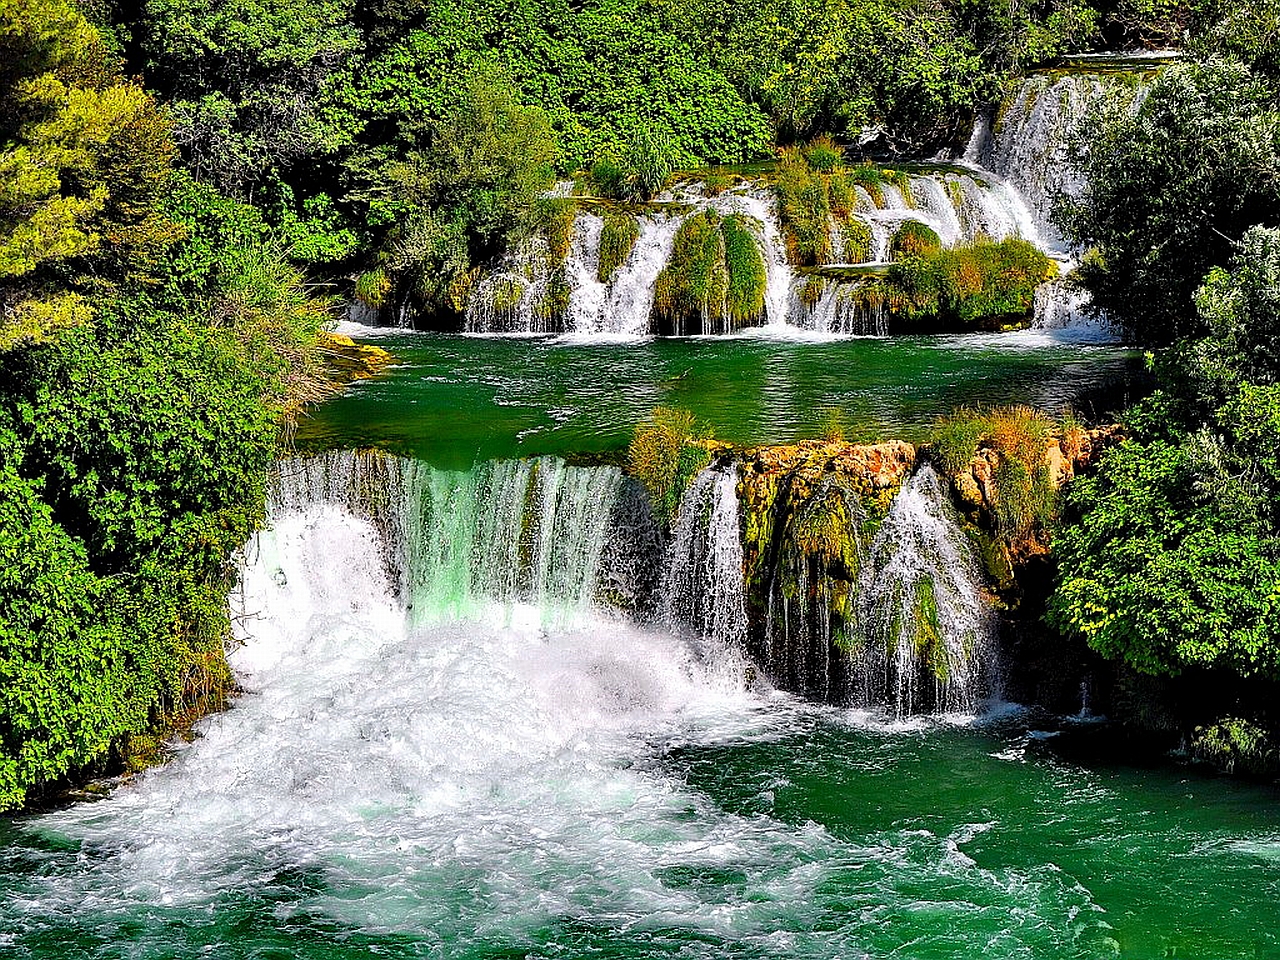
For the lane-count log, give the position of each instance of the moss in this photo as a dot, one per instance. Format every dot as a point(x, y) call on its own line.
point(715, 277)
point(926, 628)
point(955, 192)
point(901, 179)
point(617, 240)
point(857, 241)
point(811, 291)
point(691, 289)
point(557, 217)
point(748, 278)
point(717, 180)
point(914, 239)
point(555, 302)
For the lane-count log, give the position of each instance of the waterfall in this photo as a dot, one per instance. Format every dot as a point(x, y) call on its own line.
point(623, 305)
point(959, 207)
point(896, 621)
point(925, 628)
point(704, 588)
point(1062, 311)
point(535, 532)
point(588, 297)
point(842, 308)
point(515, 298)
point(1031, 142)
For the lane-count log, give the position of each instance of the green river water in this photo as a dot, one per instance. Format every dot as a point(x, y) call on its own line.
point(456, 400)
point(505, 788)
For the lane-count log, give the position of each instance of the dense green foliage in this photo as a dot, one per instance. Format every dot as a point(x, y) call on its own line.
point(969, 286)
point(155, 332)
point(327, 114)
point(1174, 558)
point(1171, 188)
point(715, 279)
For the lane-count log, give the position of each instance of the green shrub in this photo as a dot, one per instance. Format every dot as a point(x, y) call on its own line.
point(665, 454)
point(373, 287)
point(1019, 437)
point(914, 239)
point(823, 154)
point(1236, 745)
point(858, 241)
point(804, 210)
point(616, 242)
point(955, 439)
point(607, 177)
point(969, 286)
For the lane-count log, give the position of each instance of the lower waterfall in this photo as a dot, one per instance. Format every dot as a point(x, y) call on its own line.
point(925, 629)
point(535, 532)
point(894, 621)
point(703, 588)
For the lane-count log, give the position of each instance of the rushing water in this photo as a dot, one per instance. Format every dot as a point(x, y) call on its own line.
point(488, 785)
point(491, 711)
point(459, 400)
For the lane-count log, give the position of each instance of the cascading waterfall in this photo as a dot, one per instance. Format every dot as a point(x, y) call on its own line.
point(536, 532)
point(1062, 311)
point(842, 308)
point(623, 305)
point(703, 589)
point(1030, 143)
point(528, 296)
point(515, 298)
point(925, 629)
point(959, 207)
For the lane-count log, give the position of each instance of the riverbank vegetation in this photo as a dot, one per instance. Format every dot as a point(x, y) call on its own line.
point(154, 335)
point(1170, 559)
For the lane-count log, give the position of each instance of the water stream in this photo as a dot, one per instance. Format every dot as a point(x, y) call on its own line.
point(496, 784)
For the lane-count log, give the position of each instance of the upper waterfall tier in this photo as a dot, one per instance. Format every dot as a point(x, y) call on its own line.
point(534, 291)
point(1033, 140)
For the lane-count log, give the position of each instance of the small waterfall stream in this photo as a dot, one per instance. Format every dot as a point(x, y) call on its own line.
point(535, 532)
point(926, 630)
point(703, 589)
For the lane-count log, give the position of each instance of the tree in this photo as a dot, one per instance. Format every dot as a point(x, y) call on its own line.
point(84, 158)
point(471, 181)
point(1170, 189)
point(1173, 557)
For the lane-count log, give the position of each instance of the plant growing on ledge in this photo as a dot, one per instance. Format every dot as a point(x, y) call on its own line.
point(969, 287)
point(666, 453)
point(715, 279)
